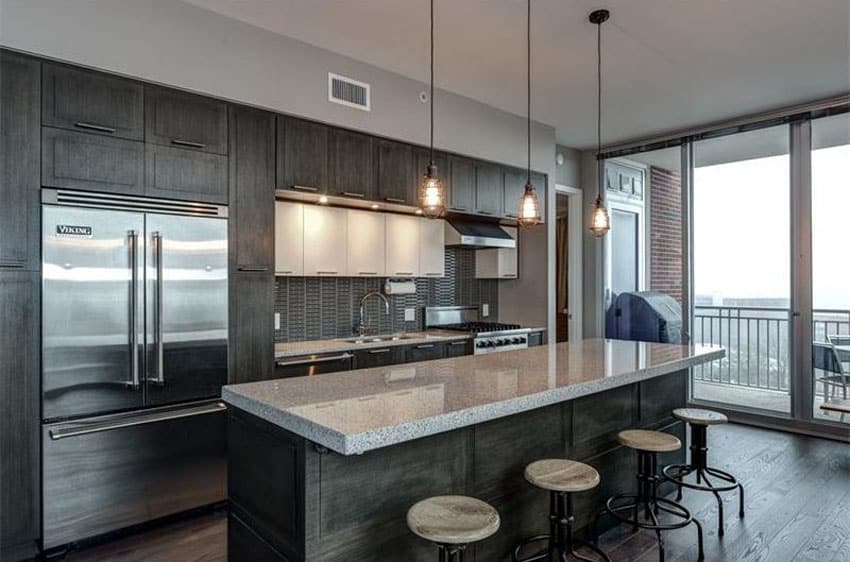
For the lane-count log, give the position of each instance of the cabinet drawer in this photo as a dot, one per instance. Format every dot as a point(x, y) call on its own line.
point(185, 120)
point(424, 352)
point(185, 174)
point(92, 102)
point(458, 348)
point(378, 357)
point(81, 161)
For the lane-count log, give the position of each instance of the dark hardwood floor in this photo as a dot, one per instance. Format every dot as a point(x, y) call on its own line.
point(797, 500)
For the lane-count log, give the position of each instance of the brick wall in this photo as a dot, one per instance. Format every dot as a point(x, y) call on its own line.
point(665, 234)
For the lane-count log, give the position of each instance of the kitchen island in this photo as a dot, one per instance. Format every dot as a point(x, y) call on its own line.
point(324, 468)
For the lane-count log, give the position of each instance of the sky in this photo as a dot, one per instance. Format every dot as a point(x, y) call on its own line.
point(742, 228)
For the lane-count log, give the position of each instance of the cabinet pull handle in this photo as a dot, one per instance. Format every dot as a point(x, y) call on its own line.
point(286, 272)
point(403, 273)
point(509, 275)
point(434, 274)
point(485, 213)
point(190, 144)
point(378, 351)
point(93, 127)
point(12, 264)
point(367, 272)
point(458, 208)
point(457, 343)
point(353, 194)
point(326, 273)
point(252, 268)
point(425, 346)
point(511, 215)
point(311, 360)
point(394, 200)
point(303, 188)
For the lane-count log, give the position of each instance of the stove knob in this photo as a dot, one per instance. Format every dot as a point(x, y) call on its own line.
point(516, 341)
point(491, 343)
point(480, 344)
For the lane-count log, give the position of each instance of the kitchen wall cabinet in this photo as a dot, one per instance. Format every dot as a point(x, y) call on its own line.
point(20, 402)
point(177, 173)
point(501, 263)
point(394, 177)
point(93, 102)
point(489, 189)
point(515, 180)
point(350, 164)
point(461, 184)
point(432, 248)
point(251, 190)
point(403, 246)
point(366, 244)
point(251, 326)
point(183, 120)
point(20, 156)
point(302, 155)
point(325, 241)
point(289, 238)
point(91, 162)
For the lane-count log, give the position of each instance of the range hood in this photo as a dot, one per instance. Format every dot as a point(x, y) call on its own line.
point(471, 234)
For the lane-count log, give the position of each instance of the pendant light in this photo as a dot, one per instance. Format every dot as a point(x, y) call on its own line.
point(432, 195)
point(600, 222)
point(529, 203)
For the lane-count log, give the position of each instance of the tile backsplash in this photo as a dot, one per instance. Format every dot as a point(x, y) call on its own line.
point(313, 308)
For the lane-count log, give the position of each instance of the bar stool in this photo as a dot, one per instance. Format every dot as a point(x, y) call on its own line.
point(699, 420)
point(648, 444)
point(453, 523)
point(561, 477)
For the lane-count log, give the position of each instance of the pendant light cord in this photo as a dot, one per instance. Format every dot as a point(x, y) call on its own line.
point(599, 101)
point(432, 84)
point(528, 92)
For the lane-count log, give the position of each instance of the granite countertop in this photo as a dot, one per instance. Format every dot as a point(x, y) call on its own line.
point(296, 349)
point(353, 412)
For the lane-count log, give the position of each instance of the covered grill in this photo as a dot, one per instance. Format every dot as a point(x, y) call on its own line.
point(644, 316)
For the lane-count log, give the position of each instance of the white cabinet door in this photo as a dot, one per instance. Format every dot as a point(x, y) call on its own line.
point(402, 246)
point(288, 238)
point(325, 241)
point(499, 263)
point(432, 248)
point(366, 244)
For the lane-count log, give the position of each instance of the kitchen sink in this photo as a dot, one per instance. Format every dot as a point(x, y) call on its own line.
point(378, 339)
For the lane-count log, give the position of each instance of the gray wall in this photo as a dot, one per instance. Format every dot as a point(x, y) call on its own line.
point(181, 45)
point(593, 252)
point(568, 173)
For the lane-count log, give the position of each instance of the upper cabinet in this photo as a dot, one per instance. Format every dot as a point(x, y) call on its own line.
point(185, 121)
point(498, 263)
point(178, 173)
point(93, 102)
point(539, 181)
point(289, 238)
point(461, 184)
point(432, 248)
point(350, 164)
point(489, 189)
point(20, 113)
point(422, 158)
point(514, 188)
point(394, 177)
point(325, 241)
point(403, 246)
point(366, 244)
point(302, 155)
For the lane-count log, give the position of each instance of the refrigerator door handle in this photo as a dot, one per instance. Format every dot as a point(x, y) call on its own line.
point(133, 245)
point(131, 420)
point(159, 360)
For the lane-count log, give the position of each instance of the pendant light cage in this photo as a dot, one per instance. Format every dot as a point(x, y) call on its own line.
point(529, 202)
point(432, 194)
point(600, 221)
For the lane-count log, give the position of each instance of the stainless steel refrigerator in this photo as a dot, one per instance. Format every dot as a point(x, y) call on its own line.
point(134, 354)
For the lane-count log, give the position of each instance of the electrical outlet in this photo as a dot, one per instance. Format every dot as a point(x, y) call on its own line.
point(277, 320)
point(485, 310)
point(409, 314)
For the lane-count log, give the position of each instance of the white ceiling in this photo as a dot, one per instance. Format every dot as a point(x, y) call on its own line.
point(668, 64)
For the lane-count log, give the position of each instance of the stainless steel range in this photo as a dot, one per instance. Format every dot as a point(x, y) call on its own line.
point(489, 337)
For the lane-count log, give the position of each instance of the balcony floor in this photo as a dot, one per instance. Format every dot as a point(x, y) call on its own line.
point(773, 400)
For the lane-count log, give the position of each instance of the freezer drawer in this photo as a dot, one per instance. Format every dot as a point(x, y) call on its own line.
point(110, 472)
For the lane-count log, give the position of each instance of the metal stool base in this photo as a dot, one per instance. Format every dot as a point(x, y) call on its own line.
point(451, 552)
point(676, 473)
point(559, 545)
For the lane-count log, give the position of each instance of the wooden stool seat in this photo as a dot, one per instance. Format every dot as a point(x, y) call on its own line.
point(699, 417)
point(561, 475)
point(842, 406)
point(646, 440)
point(453, 519)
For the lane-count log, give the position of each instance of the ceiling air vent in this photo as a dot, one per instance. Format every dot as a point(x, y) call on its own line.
point(346, 91)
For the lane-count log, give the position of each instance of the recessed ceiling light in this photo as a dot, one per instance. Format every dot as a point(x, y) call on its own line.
point(323, 199)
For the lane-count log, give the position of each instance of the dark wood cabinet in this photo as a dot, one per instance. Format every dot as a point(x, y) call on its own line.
point(177, 173)
point(539, 181)
point(20, 402)
point(489, 189)
point(458, 348)
point(93, 102)
point(422, 158)
point(366, 358)
point(461, 184)
point(394, 174)
point(20, 138)
point(81, 161)
point(185, 120)
point(252, 189)
point(424, 352)
point(302, 155)
point(350, 164)
point(251, 326)
point(515, 180)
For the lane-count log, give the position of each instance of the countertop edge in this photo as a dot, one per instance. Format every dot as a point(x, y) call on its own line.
point(360, 443)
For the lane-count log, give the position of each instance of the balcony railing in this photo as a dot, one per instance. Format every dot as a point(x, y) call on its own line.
point(757, 343)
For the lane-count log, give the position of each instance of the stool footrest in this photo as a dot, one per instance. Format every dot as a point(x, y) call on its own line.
point(686, 470)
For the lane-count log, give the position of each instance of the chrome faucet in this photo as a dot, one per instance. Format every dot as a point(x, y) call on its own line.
point(361, 328)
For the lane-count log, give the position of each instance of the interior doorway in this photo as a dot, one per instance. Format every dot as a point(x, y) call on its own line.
point(569, 221)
